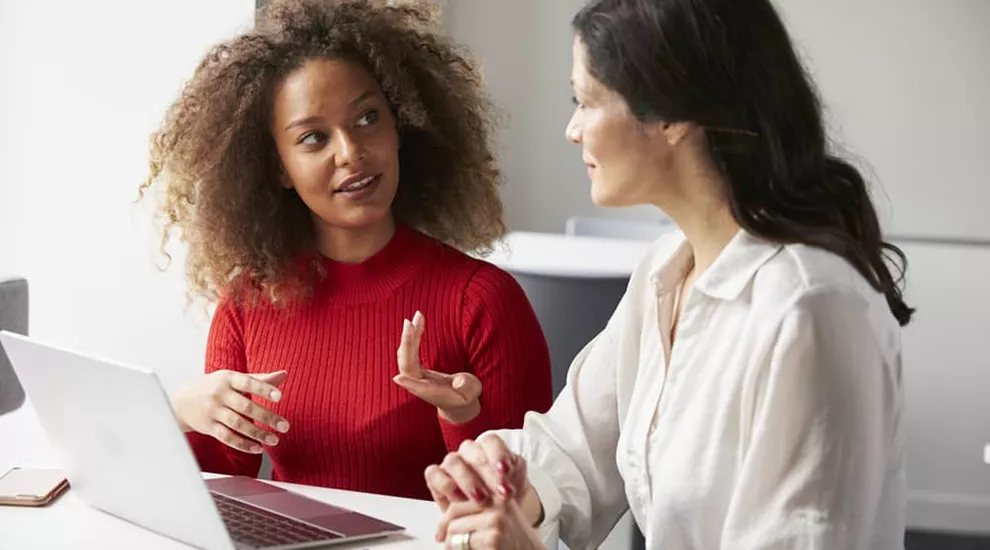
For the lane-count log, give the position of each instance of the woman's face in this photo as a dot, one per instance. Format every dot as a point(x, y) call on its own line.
point(337, 141)
point(625, 157)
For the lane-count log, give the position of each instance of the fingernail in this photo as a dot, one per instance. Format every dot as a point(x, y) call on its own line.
point(271, 440)
point(418, 318)
point(460, 494)
point(502, 466)
point(479, 495)
point(275, 395)
point(458, 383)
point(505, 489)
point(256, 449)
point(282, 426)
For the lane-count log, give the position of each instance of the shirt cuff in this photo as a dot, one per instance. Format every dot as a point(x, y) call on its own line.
point(454, 434)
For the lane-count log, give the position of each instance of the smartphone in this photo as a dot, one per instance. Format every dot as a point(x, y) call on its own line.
point(31, 486)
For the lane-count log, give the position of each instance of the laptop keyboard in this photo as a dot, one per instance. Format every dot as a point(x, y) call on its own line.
point(260, 528)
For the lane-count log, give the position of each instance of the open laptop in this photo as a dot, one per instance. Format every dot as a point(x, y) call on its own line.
point(123, 452)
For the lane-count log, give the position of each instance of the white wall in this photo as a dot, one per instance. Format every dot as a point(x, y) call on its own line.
point(525, 50)
point(83, 86)
point(906, 84)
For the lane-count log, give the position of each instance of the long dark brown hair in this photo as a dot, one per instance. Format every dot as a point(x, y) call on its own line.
point(729, 65)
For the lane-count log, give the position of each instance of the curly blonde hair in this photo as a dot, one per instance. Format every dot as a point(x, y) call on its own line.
point(215, 164)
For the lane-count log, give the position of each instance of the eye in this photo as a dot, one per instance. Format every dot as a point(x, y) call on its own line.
point(312, 138)
point(369, 118)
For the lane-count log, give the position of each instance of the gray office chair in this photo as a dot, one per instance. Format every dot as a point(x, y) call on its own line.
point(571, 311)
point(13, 318)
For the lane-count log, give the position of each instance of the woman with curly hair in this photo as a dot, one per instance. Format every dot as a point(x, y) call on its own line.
point(324, 169)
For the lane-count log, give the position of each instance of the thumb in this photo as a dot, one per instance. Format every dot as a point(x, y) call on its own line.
point(467, 385)
point(273, 378)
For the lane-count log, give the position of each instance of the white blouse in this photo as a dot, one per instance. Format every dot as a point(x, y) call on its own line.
point(774, 420)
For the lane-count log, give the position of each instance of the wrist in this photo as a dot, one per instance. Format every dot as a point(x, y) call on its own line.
point(186, 428)
point(532, 507)
point(461, 415)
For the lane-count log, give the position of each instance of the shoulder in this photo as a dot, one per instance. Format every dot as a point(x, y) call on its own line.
point(820, 290)
point(478, 275)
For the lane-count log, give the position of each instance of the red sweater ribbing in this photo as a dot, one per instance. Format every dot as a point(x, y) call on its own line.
point(351, 426)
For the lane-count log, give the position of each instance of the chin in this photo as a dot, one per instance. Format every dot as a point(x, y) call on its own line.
point(601, 196)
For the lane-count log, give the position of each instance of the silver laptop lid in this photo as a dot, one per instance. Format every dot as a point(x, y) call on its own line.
point(118, 441)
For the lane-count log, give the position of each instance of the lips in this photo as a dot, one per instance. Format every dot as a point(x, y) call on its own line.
point(356, 182)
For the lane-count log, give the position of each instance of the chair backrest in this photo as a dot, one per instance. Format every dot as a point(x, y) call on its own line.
point(571, 311)
point(640, 230)
point(13, 318)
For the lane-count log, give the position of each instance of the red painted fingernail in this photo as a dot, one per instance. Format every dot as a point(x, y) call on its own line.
point(502, 466)
point(460, 494)
point(505, 489)
point(479, 495)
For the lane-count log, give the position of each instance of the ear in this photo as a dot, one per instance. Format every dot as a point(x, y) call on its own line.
point(675, 132)
point(283, 177)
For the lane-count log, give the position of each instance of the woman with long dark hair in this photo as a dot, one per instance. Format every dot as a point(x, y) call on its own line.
point(747, 391)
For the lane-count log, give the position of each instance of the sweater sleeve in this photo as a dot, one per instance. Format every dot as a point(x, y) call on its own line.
point(506, 350)
point(224, 351)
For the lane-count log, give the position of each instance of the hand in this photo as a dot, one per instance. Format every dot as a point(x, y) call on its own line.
point(500, 525)
point(479, 470)
point(455, 395)
point(217, 404)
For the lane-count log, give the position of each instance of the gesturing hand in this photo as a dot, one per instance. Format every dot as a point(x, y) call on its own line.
point(217, 405)
point(456, 396)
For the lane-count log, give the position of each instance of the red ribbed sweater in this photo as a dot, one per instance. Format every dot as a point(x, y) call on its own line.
point(351, 426)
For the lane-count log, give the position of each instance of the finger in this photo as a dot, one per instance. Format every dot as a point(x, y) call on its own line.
point(482, 539)
point(507, 465)
point(467, 385)
point(488, 527)
point(442, 501)
point(496, 452)
point(230, 438)
point(274, 378)
point(248, 384)
point(435, 392)
point(243, 426)
point(442, 487)
point(455, 511)
point(408, 352)
point(249, 409)
point(475, 456)
point(466, 478)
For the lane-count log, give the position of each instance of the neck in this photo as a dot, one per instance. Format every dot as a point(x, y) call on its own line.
point(353, 245)
point(701, 210)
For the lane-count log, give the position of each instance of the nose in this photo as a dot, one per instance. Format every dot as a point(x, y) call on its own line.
point(348, 150)
point(573, 130)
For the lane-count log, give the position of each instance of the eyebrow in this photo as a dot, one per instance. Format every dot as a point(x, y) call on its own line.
point(312, 119)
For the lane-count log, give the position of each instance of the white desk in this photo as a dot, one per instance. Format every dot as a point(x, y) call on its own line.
point(558, 255)
point(69, 523)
